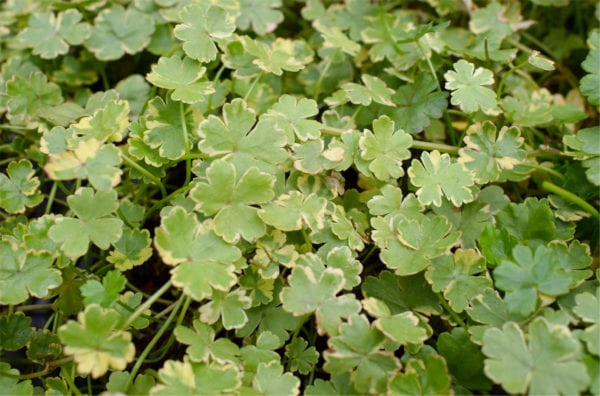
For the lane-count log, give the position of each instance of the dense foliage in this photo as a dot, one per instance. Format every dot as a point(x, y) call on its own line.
point(299, 196)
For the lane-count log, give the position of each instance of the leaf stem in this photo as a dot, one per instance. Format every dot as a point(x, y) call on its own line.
point(51, 196)
point(444, 148)
point(323, 73)
point(153, 341)
point(140, 309)
point(544, 169)
point(453, 314)
point(186, 141)
point(569, 196)
point(252, 86)
point(144, 172)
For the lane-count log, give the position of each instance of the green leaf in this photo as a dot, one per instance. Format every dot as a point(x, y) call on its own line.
point(403, 328)
point(590, 83)
point(165, 130)
point(231, 198)
point(402, 293)
point(96, 342)
point(282, 54)
point(529, 273)
point(184, 378)
point(94, 223)
point(293, 210)
point(373, 90)
point(131, 250)
point(291, 115)
point(417, 242)
point(487, 154)
point(230, 307)
point(468, 87)
point(464, 359)
point(90, 159)
point(422, 377)
point(271, 381)
point(457, 276)
point(301, 358)
point(237, 136)
point(117, 31)
point(531, 221)
point(201, 24)
point(105, 294)
point(203, 346)
point(50, 35)
point(587, 308)
point(182, 75)
point(263, 15)
point(548, 363)
point(15, 330)
point(19, 190)
point(30, 96)
point(418, 103)
point(108, 123)
point(358, 348)
point(436, 176)
point(24, 274)
point(44, 347)
point(11, 385)
point(119, 380)
point(314, 288)
point(385, 148)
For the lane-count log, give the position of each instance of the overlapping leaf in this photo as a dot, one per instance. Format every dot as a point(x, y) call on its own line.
point(203, 260)
point(231, 198)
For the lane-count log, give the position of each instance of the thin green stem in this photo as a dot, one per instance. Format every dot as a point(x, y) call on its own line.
point(252, 86)
point(104, 79)
point(186, 140)
point(51, 197)
point(147, 304)
point(569, 196)
point(453, 314)
point(144, 172)
point(153, 341)
point(544, 169)
point(33, 307)
point(69, 378)
point(444, 148)
point(430, 65)
point(505, 76)
point(322, 75)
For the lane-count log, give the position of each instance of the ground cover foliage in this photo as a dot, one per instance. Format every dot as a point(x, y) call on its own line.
point(282, 196)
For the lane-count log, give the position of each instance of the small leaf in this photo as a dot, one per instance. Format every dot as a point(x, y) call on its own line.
point(24, 274)
point(117, 31)
point(271, 381)
point(373, 90)
point(201, 24)
point(19, 190)
point(548, 363)
point(11, 385)
point(95, 341)
point(291, 115)
point(50, 35)
point(105, 294)
point(385, 148)
point(203, 260)
point(417, 242)
point(231, 198)
point(456, 276)
point(182, 378)
point(230, 307)
point(437, 176)
point(422, 377)
point(183, 76)
point(302, 359)
point(468, 87)
point(92, 225)
point(263, 15)
point(15, 330)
